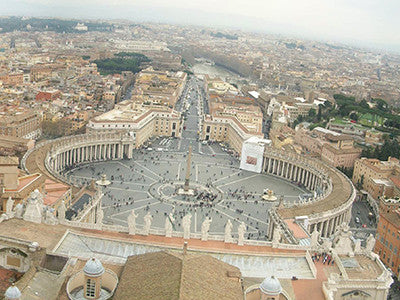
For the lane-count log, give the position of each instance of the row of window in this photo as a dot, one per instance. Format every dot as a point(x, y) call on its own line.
point(386, 243)
point(393, 232)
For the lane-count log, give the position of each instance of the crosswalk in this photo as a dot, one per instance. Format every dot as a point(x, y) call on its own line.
point(165, 142)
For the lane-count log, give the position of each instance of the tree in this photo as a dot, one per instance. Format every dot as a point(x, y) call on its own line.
point(360, 183)
point(123, 61)
point(55, 129)
point(353, 116)
point(364, 104)
point(381, 104)
point(347, 171)
point(319, 112)
point(312, 112)
point(389, 148)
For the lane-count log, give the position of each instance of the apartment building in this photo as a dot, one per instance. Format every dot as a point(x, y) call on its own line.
point(20, 122)
point(378, 178)
point(340, 151)
point(158, 87)
point(140, 120)
point(388, 235)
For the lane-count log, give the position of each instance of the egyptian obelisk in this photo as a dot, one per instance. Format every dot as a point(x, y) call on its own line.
point(188, 165)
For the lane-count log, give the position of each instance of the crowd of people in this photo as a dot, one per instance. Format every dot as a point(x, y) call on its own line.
point(323, 257)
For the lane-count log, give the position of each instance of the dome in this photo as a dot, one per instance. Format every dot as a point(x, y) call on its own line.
point(12, 293)
point(271, 286)
point(93, 267)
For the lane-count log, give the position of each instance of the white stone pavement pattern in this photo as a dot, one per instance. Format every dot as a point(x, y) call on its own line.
point(143, 183)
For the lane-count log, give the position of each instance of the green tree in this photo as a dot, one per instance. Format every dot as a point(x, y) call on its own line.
point(347, 171)
point(124, 61)
point(55, 129)
point(312, 113)
point(364, 104)
point(360, 183)
point(319, 112)
point(353, 116)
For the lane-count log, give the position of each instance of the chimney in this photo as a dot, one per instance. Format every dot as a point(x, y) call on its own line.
point(185, 248)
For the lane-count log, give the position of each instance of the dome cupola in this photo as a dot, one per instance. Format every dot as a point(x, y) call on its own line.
point(271, 286)
point(93, 268)
point(12, 293)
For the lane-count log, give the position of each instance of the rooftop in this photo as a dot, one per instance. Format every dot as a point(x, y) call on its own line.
point(165, 275)
point(341, 191)
point(24, 181)
point(9, 160)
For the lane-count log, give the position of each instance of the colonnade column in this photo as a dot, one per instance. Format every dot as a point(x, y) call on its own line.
point(269, 165)
point(287, 170)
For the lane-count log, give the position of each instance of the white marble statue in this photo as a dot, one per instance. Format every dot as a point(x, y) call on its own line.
point(369, 247)
point(314, 239)
point(34, 208)
point(9, 207)
point(186, 222)
point(3, 217)
point(228, 231)
point(241, 232)
point(36, 195)
point(168, 225)
point(50, 217)
point(276, 237)
point(147, 223)
point(132, 222)
point(342, 242)
point(357, 246)
point(205, 227)
point(326, 244)
point(61, 211)
point(19, 210)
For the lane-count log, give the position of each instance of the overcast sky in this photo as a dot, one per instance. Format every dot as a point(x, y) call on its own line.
point(373, 23)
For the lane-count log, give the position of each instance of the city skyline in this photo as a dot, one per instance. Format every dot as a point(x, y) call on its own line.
point(368, 24)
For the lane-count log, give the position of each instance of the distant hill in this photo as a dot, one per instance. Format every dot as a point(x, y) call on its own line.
point(10, 24)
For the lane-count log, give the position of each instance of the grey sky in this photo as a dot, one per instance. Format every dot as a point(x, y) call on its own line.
point(373, 23)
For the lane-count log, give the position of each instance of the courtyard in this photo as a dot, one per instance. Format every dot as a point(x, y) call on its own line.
point(149, 182)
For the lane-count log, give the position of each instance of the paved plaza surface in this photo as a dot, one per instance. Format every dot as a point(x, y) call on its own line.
point(150, 180)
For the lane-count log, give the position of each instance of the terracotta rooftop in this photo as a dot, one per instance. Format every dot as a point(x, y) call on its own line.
point(165, 275)
point(24, 181)
point(392, 217)
point(342, 150)
point(395, 180)
point(297, 230)
point(54, 190)
point(7, 277)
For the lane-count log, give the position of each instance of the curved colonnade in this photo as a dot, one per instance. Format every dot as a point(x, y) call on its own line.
point(75, 150)
point(324, 212)
point(56, 155)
